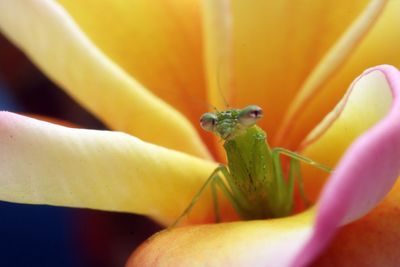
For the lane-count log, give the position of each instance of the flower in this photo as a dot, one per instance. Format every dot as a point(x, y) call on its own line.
point(286, 57)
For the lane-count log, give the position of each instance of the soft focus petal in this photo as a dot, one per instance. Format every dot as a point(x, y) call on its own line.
point(251, 243)
point(371, 241)
point(370, 166)
point(337, 55)
point(379, 46)
point(158, 42)
point(278, 43)
point(56, 44)
point(43, 163)
point(218, 48)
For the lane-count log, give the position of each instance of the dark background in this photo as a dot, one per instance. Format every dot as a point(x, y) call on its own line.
point(38, 235)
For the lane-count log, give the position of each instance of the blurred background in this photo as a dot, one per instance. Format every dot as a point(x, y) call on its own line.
point(38, 235)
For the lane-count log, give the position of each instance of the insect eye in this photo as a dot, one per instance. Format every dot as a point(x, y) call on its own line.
point(208, 121)
point(250, 115)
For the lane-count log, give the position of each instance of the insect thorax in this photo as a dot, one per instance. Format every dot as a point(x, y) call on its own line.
point(251, 169)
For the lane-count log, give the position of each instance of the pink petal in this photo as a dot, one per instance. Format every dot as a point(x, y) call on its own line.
point(375, 156)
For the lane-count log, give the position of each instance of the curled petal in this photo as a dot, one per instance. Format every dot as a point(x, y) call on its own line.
point(338, 54)
point(370, 165)
point(43, 163)
point(367, 102)
point(379, 229)
point(379, 45)
point(59, 47)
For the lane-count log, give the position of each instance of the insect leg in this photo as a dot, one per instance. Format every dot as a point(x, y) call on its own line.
point(295, 175)
point(215, 200)
point(294, 155)
point(283, 194)
point(234, 199)
point(196, 197)
point(296, 168)
point(294, 171)
point(229, 190)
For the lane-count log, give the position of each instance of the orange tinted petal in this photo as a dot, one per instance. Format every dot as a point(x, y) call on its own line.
point(326, 68)
point(251, 243)
point(218, 51)
point(278, 43)
point(370, 241)
point(218, 48)
point(379, 46)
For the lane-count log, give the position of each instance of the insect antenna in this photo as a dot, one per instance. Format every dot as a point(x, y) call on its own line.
point(220, 87)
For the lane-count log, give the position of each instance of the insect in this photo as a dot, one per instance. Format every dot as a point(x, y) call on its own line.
point(253, 179)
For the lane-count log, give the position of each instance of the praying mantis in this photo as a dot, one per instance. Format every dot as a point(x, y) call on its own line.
point(253, 180)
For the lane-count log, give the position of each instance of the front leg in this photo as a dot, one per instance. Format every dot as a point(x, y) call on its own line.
point(279, 150)
point(214, 180)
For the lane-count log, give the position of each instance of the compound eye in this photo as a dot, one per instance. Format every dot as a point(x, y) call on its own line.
point(208, 121)
point(250, 115)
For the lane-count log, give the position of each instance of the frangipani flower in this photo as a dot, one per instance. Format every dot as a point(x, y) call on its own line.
point(294, 59)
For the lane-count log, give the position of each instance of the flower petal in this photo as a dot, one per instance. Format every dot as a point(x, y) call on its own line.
point(56, 44)
point(43, 163)
point(218, 50)
point(368, 101)
point(218, 46)
point(379, 46)
point(278, 43)
point(329, 64)
point(371, 241)
point(158, 42)
point(369, 167)
point(251, 243)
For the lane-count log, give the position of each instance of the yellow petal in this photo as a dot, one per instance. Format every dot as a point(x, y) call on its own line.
point(328, 65)
point(218, 45)
point(367, 102)
point(218, 49)
point(379, 46)
point(251, 243)
point(55, 43)
point(278, 43)
point(158, 42)
point(43, 163)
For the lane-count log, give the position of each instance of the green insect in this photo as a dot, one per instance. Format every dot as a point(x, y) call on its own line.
point(254, 182)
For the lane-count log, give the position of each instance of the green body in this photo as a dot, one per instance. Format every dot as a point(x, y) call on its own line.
point(252, 171)
point(253, 180)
